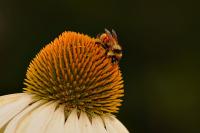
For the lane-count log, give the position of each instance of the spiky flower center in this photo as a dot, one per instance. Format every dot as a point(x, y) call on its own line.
point(75, 72)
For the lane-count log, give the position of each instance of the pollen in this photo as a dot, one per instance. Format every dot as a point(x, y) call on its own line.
point(75, 72)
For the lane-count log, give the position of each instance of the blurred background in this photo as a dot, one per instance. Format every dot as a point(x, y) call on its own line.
point(160, 64)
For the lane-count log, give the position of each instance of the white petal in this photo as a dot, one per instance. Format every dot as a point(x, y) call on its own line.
point(113, 125)
point(10, 105)
point(85, 124)
point(97, 125)
point(56, 125)
point(72, 124)
point(37, 120)
point(9, 98)
point(12, 125)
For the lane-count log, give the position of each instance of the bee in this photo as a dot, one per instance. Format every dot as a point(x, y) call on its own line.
point(109, 42)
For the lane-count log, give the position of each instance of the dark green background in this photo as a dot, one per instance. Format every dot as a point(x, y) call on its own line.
point(161, 53)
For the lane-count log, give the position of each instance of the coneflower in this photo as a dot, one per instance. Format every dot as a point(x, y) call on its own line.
point(71, 86)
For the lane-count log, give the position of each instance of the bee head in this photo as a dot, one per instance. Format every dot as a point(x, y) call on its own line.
point(104, 38)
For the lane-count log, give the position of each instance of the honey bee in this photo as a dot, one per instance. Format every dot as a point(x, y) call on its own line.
point(110, 43)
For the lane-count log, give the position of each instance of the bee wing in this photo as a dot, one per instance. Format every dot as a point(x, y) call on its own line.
point(108, 33)
point(114, 34)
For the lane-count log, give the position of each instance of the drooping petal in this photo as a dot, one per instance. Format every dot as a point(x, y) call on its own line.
point(9, 98)
point(85, 124)
point(113, 125)
point(72, 123)
point(12, 125)
point(10, 105)
point(97, 125)
point(118, 125)
point(56, 124)
point(37, 120)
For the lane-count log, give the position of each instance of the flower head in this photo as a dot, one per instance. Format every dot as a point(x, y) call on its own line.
point(71, 86)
